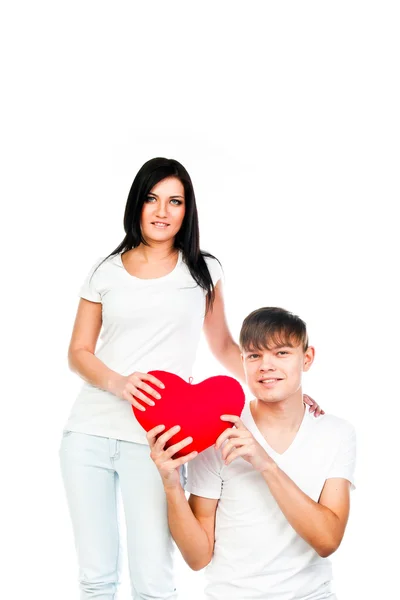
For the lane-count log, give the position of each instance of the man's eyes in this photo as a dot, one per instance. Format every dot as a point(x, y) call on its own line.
point(279, 353)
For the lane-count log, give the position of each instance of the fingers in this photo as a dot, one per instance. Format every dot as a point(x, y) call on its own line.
point(237, 452)
point(152, 379)
point(309, 400)
point(163, 458)
point(233, 419)
point(225, 435)
point(133, 396)
point(140, 385)
point(159, 444)
point(163, 439)
point(319, 412)
point(184, 459)
point(151, 435)
point(136, 404)
point(133, 392)
point(176, 447)
point(232, 431)
point(314, 407)
point(232, 444)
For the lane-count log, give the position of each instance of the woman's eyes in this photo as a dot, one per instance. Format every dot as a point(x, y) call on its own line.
point(175, 201)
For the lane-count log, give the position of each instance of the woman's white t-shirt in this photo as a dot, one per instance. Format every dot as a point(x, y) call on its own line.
point(148, 324)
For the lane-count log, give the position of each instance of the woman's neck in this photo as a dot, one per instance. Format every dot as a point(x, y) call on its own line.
point(155, 253)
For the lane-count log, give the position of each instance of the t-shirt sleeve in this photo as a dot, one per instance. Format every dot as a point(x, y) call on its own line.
point(89, 289)
point(345, 460)
point(203, 476)
point(215, 269)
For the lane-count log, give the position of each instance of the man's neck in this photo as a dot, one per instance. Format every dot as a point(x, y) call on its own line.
point(285, 415)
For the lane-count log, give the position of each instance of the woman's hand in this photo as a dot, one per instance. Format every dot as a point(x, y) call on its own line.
point(166, 465)
point(314, 407)
point(129, 388)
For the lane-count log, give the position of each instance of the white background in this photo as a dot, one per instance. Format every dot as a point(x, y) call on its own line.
point(286, 115)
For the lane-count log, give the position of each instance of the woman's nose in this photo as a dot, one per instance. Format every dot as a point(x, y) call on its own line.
point(162, 210)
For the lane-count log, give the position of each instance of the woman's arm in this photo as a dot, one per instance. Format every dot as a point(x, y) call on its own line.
point(82, 347)
point(82, 360)
point(219, 338)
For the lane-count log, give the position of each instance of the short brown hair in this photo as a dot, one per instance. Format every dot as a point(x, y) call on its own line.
point(271, 326)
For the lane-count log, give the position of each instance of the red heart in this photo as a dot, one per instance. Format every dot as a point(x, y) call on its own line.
point(196, 408)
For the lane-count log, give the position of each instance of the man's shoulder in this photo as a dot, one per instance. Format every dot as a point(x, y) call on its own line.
point(331, 424)
point(209, 459)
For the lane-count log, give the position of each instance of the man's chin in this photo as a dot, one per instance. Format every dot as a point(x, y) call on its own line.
point(270, 398)
point(267, 395)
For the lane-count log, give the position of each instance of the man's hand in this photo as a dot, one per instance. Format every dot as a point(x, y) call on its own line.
point(242, 443)
point(166, 465)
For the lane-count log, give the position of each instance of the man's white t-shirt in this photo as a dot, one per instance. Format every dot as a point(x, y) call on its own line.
point(148, 324)
point(257, 553)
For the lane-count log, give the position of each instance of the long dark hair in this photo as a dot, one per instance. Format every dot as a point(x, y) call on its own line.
point(188, 237)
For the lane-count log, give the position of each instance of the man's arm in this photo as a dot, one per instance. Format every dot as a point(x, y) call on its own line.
point(191, 523)
point(192, 526)
point(321, 524)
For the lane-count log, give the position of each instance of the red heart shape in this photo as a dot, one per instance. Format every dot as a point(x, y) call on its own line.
point(196, 408)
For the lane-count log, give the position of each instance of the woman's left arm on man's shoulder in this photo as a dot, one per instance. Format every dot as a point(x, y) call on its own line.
point(219, 337)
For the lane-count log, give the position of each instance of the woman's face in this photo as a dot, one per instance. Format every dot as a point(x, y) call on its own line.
point(163, 210)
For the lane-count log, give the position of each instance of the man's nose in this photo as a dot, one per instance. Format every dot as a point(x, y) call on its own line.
point(267, 364)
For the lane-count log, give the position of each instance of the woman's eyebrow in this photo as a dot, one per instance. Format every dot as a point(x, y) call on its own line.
point(174, 196)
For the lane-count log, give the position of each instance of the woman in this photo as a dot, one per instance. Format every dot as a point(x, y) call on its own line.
point(152, 296)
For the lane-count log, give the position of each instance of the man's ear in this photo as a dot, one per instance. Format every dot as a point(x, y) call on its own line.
point(309, 355)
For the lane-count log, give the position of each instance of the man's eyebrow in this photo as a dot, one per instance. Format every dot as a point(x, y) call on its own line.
point(270, 348)
point(277, 346)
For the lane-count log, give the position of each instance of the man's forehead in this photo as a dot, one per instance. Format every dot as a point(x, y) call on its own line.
point(273, 345)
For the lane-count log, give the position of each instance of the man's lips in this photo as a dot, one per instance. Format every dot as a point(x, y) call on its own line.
point(269, 380)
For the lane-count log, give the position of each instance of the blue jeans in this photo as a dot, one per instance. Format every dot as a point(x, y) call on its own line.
point(90, 467)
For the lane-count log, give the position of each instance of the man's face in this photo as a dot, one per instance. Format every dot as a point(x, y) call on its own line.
point(274, 375)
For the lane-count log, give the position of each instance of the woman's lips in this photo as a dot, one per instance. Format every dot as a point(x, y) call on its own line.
point(159, 225)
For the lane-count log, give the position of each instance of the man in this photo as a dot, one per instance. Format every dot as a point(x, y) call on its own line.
point(270, 502)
